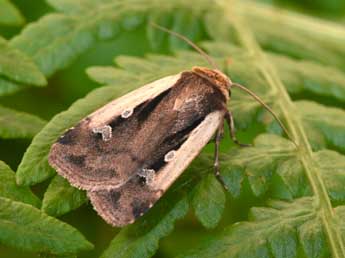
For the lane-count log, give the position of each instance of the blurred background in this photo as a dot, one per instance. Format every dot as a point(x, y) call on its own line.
point(72, 83)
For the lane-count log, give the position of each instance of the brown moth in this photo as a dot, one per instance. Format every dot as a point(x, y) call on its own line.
point(128, 153)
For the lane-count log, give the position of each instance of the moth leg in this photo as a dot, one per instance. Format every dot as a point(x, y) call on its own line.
point(217, 140)
point(230, 121)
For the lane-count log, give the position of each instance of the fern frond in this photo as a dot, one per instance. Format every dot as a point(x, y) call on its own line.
point(60, 197)
point(273, 167)
point(9, 188)
point(283, 31)
point(282, 229)
point(287, 108)
point(8, 87)
point(208, 201)
point(299, 76)
point(60, 37)
point(16, 69)
point(9, 14)
point(325, 125)
point(27, 228)
point(15, 124)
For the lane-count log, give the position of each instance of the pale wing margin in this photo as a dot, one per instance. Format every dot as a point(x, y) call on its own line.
point(129, 101)
point(198, 138)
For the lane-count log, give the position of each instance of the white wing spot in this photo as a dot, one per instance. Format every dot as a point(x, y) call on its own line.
point(127, 113)
point(170, 156)
point(105, 131)
point(148, 174)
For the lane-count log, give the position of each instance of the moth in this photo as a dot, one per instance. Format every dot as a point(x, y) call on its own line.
point(129, 152)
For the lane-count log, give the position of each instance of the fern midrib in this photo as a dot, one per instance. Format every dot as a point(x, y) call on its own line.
point(295, 125)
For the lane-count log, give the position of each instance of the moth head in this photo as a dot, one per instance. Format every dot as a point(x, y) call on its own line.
point(216, 77)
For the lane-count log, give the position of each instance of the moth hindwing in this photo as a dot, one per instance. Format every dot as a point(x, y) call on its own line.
point(128, 153)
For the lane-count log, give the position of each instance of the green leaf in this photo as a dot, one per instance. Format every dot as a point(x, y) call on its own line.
point(284, 103)
point(145, 70)
point(275, 231)
point(185, 24)
point(281, 31)
point(9, 188)
point(9, 14)
point(82, 23)
point(301, 76)
point(55, 50)
point(8, 87)
point(141, 239)
point(209, 201)
point(290, 180)
point(294, 34)
point(325, 123)
point(18, 67)
point(25, 227)
point(257, 164)
point(15, 124)
point(61, 197)
point(332, 166)
point(273, 164)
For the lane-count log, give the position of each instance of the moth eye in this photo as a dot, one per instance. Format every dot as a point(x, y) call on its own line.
point(127, 113)
point(105, 131)
point(148, 175)
point(169, 156)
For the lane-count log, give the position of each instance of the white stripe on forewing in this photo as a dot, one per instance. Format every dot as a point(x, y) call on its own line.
point(132, 99)
point(198, 138)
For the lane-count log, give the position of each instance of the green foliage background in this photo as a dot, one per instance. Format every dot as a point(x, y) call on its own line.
point(62, 59)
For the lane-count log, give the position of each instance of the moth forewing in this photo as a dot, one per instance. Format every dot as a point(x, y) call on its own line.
point(69, 155)
point(129, 101)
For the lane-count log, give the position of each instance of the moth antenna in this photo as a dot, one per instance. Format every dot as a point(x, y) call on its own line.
point(257, 98)
point(189, 42)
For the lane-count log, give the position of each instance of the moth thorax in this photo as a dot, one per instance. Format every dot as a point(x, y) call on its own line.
point(217, 78)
